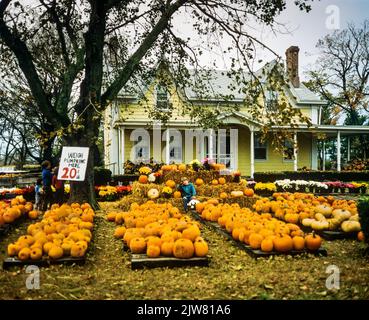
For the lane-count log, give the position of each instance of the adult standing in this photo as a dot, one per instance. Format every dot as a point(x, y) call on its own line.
point(46, 184)
point(59, 187)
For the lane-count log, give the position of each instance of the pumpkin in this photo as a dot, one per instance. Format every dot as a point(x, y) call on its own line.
point(201, 247)
point(255, 240)
point(341, 215)
point(166, 248)
point(291, 218)
point(313, 242)
point(153, 193)
point(283, 243)
point(137, 245)
point(55, 252)
point(153, 241)
point(298, 243)
point(199, 181)
point(214, 182)
point(183, 249)
point(191, 233)
point(77, 250)
point(236, 194)
point(119, 232)
point(12, 250)
point(36, 254)
point(324, 209)
point(177, 195)
point(350, 226)
point(307, 222)
point(24, 254)
point(33, 214)
point(182, 167)
point(170, 184)
point(267, 245)
point(153, 251)
point(320, 225)
point(142, 179)
point(111, 216)
point(222, 181)
point(360, 236)
point(223, 195)
point(248, 192)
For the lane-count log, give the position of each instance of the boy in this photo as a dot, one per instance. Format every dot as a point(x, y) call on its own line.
point(38, 190)
point(46, 184)
point(188, 192)
point(59, 187)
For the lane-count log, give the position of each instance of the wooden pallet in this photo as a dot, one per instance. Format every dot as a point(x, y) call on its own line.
point(140, 261)
point(252, 252)
point(44, 262)
point(332, 235)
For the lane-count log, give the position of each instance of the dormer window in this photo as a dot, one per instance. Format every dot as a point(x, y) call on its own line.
point(271, 100)
point(162, 98)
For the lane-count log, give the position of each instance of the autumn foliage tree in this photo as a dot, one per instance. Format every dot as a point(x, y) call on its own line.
point(76, 55)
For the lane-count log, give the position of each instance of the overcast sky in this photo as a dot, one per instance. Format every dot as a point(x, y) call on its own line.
point(305, 29)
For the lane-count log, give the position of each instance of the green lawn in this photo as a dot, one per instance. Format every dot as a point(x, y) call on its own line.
point(232, 274)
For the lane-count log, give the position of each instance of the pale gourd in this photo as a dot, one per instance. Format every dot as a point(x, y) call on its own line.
point(333, 224)
point(324, 210)
point(351, 226)
point(341, 215)
point(307, 222)
point(320, 225)
point(236, 194)
point(319, 217)
point(354, 218)
point(153, 193)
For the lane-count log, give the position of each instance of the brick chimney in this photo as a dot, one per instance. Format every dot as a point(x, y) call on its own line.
point(292, 62)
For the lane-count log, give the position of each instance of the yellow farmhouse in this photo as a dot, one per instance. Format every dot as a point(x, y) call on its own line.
point(129, 133)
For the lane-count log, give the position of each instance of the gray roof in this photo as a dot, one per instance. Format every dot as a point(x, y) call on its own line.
point(218, 84)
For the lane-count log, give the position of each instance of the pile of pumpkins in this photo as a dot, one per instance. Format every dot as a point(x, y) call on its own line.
point(159, 230)
point(259, 231)
point(18, 207)
point(318, 213)
point(63, 231)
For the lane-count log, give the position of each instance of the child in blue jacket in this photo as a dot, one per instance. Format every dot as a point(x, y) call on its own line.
point(188, 192)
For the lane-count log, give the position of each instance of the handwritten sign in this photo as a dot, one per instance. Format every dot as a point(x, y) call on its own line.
point(73, 163)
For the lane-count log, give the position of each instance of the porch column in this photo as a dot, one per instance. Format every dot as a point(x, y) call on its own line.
point(234, 148)
point(295, 146)
point(122, 148)
point(338, 151)
point(167, 150)
point(323, 156)
point(210, 146)
point(348, 149)
point(252, 156)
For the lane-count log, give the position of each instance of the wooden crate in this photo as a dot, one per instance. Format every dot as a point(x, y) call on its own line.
point(44, 262)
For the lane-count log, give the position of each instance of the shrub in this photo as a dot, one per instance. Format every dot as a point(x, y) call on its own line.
point(363, 208)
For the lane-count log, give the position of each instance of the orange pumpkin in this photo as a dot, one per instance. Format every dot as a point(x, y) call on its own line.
point(298, 243)
point(177, 195)
point(153, 251)
point(183, 249)
point(111, 216)
point(142, 179)
point(360, 236)
point(199, 182)
point(137, 245)
point(166, 248)
point(313, 242)
point(119, 232)
point(170, 184)
point(223, 195)
point(200, 207)
point(255, 240)
point(222, 181)
point(36, 254)
point(55, 252)
point(267, 245)
point(201, 247)
point(214, 182)
point(283, 243)
point(248, 192)
point(191, 233)
point(182, 167)
point(24, 254)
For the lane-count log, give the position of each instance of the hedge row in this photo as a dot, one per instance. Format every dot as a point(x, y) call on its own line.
point(345, 176)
